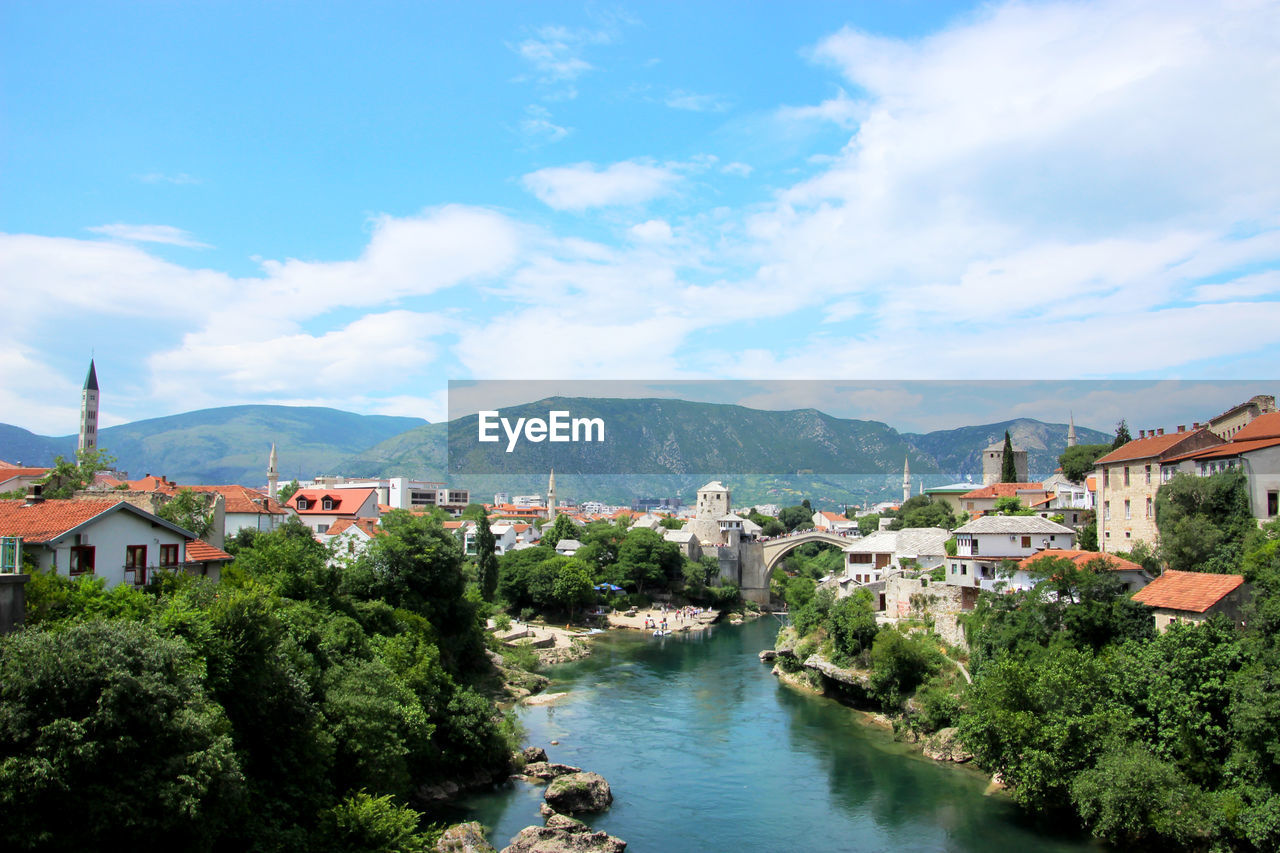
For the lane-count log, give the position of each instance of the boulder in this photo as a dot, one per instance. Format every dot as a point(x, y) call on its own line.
point(945, 746)
point(534, 753)
point(851, 677)
point(545, 810)
point(768, 655)
point(544, 839)
point(464, 838)
point(546, 771)
point(579, 792)
point(568, 824)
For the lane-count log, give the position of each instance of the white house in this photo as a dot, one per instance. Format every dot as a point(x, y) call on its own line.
point(319, 509)
point(568, 547)
point(984, 543)
point(833, 522)
point(868, 559)
point(1131, 574)
point(110, 539)
point(349, 537)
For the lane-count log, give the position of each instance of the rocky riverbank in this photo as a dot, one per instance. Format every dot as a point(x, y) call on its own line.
point(570, 791)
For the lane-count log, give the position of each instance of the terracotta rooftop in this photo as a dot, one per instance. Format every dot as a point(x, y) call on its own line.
point(351, 499)
point(1080, 558)
point(1002, 490)
point(47, 520)
point(1263, 426)
point(368, 526)
point(1146, 448)
point(200, 551)
point(8, 472)
point(242, 499)
point(1232, 448)
point(1194, 592)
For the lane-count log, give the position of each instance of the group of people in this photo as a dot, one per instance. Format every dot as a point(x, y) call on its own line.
point(679, 614)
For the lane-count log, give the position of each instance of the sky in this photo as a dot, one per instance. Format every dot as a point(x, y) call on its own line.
point(351, 204)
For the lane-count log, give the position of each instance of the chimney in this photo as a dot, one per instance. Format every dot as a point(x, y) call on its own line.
point(1182, 427)
point(35, 494)
point(1142, 433)
point(1196, 425)
point(1160, 431)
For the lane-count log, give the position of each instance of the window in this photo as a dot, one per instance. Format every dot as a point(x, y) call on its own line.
point(1026, 541)
point(964, 568)
point(1106, 510)
point(1126, 509)
point(1273, 503)
point(135, 556)
point(1126, 475)
point(168, 555)
point(1106, 478)
point(1149, 507)
point(322, 528)
point(302, 503)
point(1148, 475)
point(82, 559)
point(326, 504)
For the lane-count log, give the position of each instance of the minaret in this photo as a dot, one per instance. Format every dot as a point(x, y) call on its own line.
point(1071, 431)
point(551, 496)
point(273, 474)
point(906, 479)
point(89, 412)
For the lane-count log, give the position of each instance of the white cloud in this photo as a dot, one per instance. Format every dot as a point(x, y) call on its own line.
point(653, 231)
point(166, 234)
point(537, 124)
point(679, 99)
point(841, 110)
point(584, 185)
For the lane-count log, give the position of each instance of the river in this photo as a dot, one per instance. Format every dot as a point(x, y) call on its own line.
point(706, 751)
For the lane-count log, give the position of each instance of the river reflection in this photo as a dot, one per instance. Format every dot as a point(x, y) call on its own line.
point(705, 750)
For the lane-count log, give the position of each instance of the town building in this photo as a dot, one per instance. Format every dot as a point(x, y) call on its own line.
point(984, 543)
point(983, 499)
point(1255, 450)
point(88, 437)
point(993, 463)
point(320, 509)
point(951, 494)
point(1128, 479)
point(1191, 598)
point(1131, 574)
point(109, 539)
point(868, 559)
point(1228, 424)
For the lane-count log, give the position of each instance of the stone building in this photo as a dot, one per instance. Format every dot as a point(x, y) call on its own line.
point(993, 463)
point(713, 504)
point(1128, 479)
point(1230, 422)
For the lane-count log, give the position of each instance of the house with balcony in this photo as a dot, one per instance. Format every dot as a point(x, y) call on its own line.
point(105, 538)
point(870, 558)
point(1254, 449)
point(985, 543)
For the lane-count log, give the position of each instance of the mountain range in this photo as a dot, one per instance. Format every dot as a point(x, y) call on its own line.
point(656, 448)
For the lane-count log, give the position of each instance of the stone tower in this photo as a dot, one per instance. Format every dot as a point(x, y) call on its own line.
point(273, 475)
point(551, 496)
point(1071, 431)
point(906, 479)
point(713, 503)
point(89, 412)
point(993, 463)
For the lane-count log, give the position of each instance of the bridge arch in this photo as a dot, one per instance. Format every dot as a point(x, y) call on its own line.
point(776, 549)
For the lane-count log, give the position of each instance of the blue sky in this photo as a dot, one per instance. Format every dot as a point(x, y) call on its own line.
point(350, 204)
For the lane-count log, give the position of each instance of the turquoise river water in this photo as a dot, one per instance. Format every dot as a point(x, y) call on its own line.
point(706, 751)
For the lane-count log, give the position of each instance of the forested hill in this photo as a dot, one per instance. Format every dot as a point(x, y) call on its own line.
point(763, 455)
point(229, 444)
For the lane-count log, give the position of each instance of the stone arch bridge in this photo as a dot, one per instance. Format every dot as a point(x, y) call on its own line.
point(776, 549)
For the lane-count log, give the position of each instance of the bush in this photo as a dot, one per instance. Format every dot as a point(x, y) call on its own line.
point(1131, 796)
point(939, 707)
point(502, 622)
point(899, 664)
point(365, 824)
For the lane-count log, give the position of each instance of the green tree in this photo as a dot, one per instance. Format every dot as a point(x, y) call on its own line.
point(1204, 522)
point(287, 491)
point(189, 511)
point(868, 524)
point(572, 586)
point(1008, 470)
point(82, 705)
point(1122, 435)
point(66, 478)
point(852, 625)
point(486, 559)
point(362, 823)
point(563, 528)
point(646, 559)
point(1077, 462)
point(473, 511)
point(1130, 797)
point(796, 517)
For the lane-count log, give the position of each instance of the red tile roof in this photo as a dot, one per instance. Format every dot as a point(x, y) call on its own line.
point(1232, 448)
point(241, 499)
point(351, 499)
point(1194, 592)
point(47, 520)
point(368, 525)
point(200, 551)
point(8, 472)
point(1002, 490)
point(1080, 558)
point(1263, 426)
point(1146, 448)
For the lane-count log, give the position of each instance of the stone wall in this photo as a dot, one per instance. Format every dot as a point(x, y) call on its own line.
point(921, 598)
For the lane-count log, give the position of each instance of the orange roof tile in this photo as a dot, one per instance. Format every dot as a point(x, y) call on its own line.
point(1002, 490)
point(369, 526)
point(241, 499)
point(47, 520)
point(351, 499)
point(1145, 448)
point(200, 551)
point(1080, 558)
point(1263, 426)
point(1232, 448)
point(1091, 483)
point(8, 472)
point(1194, 592)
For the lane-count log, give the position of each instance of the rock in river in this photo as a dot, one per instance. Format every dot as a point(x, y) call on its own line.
point(579, 792)
point(464, 838)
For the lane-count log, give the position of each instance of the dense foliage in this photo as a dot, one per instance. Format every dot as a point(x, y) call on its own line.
point(291, 706)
